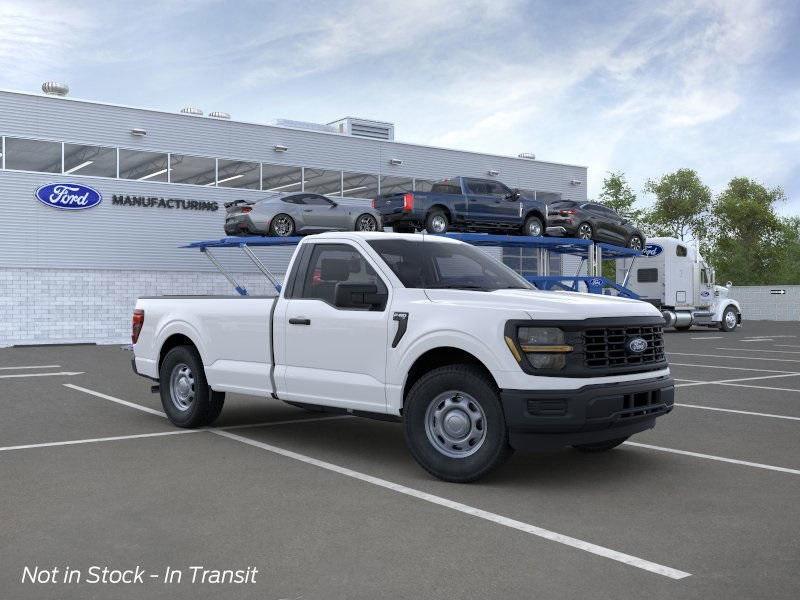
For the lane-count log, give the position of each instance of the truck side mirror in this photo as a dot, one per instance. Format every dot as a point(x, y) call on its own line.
point(513, 195)
point(359, 295)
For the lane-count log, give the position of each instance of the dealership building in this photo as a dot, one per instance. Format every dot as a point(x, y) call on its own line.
point(162, 179)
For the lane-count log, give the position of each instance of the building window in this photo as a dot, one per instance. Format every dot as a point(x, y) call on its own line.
point(279, 178)
point(90, 160)
point(396, 185)
point(647, 275)
point(359, 185)
point(423, 185)
point(238, 174)
point(320, 181)
point(143, 166)
point(195, 170)
point(33, 155)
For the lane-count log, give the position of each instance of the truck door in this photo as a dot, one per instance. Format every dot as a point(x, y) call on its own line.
point(332, 356)
point(480, 202)
point(705, 289)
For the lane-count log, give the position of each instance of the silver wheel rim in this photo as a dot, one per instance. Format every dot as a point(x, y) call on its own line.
point(585, 232)
point(455, 424)
point(534, 228)
point(730, 319)
point(636, 243)
point(438, 224)
point(282, 226)
point(367, 223)
point(181, 387)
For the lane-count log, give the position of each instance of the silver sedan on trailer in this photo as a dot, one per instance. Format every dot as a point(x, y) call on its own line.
point(299, 213)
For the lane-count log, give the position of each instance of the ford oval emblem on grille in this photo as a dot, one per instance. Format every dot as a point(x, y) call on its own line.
point(636, 345)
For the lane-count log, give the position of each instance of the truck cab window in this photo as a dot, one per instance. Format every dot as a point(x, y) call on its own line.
point(335, 263)
point(680, 250)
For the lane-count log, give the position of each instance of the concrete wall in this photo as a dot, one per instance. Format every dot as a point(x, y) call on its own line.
point(759, 304)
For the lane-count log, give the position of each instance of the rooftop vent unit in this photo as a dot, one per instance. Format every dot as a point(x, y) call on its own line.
point(303, 125)
point(527, 155)
point(192, 110)
point(53, 88)
point(376, 130)
point(219, 115)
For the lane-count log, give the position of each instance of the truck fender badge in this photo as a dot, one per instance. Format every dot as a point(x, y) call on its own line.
point(402, 325)
point(636, 345)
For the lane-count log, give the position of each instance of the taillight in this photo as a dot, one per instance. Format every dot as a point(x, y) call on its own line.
point(136, 324)
point(246, 209)
point(408, 202)
point(570, 211)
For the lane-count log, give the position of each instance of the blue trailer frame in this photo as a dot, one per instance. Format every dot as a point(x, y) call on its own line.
point(589, 250)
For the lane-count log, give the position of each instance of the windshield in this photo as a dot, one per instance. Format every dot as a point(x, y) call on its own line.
point(431, 264)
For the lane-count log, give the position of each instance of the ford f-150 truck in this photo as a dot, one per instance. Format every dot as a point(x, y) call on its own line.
point(421, 329)
point(464, 204)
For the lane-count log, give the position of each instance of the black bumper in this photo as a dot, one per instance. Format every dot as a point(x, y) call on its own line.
point(542, 420)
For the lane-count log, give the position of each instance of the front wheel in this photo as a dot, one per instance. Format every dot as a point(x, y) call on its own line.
point(186, 397)
point(533, 227)
point(454, 424)
point(281, 226)
point(366, 222)
point(729, 319)
point(437, 222)
point(585, 231)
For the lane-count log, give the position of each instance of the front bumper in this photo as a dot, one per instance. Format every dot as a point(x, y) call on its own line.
point(542, 420)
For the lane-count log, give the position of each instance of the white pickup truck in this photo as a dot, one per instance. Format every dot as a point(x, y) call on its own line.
point(421, 329)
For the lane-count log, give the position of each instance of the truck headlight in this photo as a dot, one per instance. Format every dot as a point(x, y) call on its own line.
point(543, 347)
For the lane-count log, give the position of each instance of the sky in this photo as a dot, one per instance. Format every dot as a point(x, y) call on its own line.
point(639, 87)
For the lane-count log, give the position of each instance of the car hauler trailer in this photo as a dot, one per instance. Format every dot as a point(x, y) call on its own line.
point(673, 276)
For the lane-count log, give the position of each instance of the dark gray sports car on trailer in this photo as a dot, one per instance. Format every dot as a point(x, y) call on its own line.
point(592, 221)
point(299, 213)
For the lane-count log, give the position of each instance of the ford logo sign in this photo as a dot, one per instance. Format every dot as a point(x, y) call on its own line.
point(595, 282)
point(636, 345)
point(652, 250)
point(68, 196)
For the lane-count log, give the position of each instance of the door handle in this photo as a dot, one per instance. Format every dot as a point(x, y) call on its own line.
point(299, 321)
point(307, 210)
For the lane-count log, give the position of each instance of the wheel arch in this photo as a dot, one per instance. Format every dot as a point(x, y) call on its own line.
point(445, 209)
point(174, 340)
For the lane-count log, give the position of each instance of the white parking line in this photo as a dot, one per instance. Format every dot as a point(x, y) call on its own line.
point(762, 387)
point(759, 350)
point(787, 346)
point(717, 458)
point(732, 381)
point(30, 367)
point(757, 340)
point(739, 412)
point(96, 440)
point(469, 510)
point(673, 364)
point(146, 409)
point(62, 373)
point(708, 337)
point(747, 358)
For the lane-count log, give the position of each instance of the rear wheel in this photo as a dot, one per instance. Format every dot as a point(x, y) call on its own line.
point(635, 243)
point(729, 319)
point(437, 222)
point(600, 446)
point(454, 424)
point(533, 227)
point(281, 226)
point(366, 222)
point(185, 395)
point(585, 231)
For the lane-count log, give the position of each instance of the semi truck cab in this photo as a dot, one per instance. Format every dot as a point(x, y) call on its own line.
point(674, 277)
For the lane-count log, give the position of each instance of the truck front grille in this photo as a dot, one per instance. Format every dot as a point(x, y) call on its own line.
point(605, 348)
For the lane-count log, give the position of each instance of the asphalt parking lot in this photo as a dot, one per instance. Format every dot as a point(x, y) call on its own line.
point(704, 506)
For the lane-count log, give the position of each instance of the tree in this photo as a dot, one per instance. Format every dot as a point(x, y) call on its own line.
point(752, 245)
point(681, 205)
point(618, 196)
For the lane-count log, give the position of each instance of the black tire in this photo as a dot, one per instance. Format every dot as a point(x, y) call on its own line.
point(585, 231)
point(600, 446)
point(366, 222)
point(437, 221)
point(403, 228)
point(276, 226)
point(533, 223)
point(472, 387)
point(728, 324)
point(205, 404)
point(635, 242)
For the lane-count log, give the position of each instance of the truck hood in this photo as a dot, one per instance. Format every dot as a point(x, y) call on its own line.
point(540, 304)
